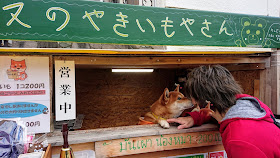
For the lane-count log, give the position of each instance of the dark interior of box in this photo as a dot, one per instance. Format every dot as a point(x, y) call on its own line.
point(109, 99)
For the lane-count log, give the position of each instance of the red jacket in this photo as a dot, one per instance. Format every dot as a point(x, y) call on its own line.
point(247, 130)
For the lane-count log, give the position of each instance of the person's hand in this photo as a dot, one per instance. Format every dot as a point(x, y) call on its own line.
point(185, 122)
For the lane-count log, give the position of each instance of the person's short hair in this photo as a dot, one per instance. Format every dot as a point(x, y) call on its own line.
point(215, 84)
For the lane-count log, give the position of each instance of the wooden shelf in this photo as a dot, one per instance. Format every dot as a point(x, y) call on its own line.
point(102, 134)
point(168, 51)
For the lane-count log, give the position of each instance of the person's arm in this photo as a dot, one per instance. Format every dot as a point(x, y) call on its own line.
point(190, 119)
point(199, 118)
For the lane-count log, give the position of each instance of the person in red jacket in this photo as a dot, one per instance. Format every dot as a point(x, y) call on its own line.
point(247, 126)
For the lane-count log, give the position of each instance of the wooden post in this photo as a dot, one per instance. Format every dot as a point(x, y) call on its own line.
point(257, 88)
point(51, 93)
point(275, 82)
point(265, 84)
point(270, 83)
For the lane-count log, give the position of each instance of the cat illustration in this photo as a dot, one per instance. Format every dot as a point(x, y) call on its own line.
point(19, 67)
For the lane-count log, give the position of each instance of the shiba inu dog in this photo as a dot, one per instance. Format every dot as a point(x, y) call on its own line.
point(169, 105)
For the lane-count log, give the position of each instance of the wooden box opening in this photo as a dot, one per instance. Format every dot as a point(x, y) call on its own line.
point(108, 99)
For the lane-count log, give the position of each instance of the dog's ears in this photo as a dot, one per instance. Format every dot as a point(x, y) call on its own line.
point(165, 97)
point(177, 88)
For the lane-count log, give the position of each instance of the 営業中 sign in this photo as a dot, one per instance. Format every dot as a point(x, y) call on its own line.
point(65, 95)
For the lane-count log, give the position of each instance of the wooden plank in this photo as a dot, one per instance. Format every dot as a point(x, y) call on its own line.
point(257, 88)
point(166, 153)
point(230, 67)
point(275, 81)
point(186, 50)
point(245, 67)
point(158, 61)
point(217, 49)
point(267, 99)
point(262, 85)
point(84, 136)
point(128, 146)
point(265, 86)
point(51, 93)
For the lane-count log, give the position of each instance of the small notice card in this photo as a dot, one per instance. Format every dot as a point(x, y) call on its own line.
point(65, 95)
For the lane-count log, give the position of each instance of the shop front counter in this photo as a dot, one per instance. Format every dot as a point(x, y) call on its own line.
point(143, 140)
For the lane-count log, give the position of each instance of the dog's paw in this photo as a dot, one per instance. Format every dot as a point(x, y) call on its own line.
point(164, 124)
point(196, 110)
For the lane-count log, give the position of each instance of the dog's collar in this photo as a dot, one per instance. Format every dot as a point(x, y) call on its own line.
point(158, 117)
point(144, 122)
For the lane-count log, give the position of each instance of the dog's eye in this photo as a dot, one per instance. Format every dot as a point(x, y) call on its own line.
point(178, 98)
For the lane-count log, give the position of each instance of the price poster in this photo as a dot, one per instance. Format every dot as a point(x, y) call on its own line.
point(25, 91)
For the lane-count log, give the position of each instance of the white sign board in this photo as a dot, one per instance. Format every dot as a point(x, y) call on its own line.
point(198, 155)
point(25, 91)
point(65, 95)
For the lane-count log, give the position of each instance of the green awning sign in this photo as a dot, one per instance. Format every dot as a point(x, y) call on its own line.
point(97, 22)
